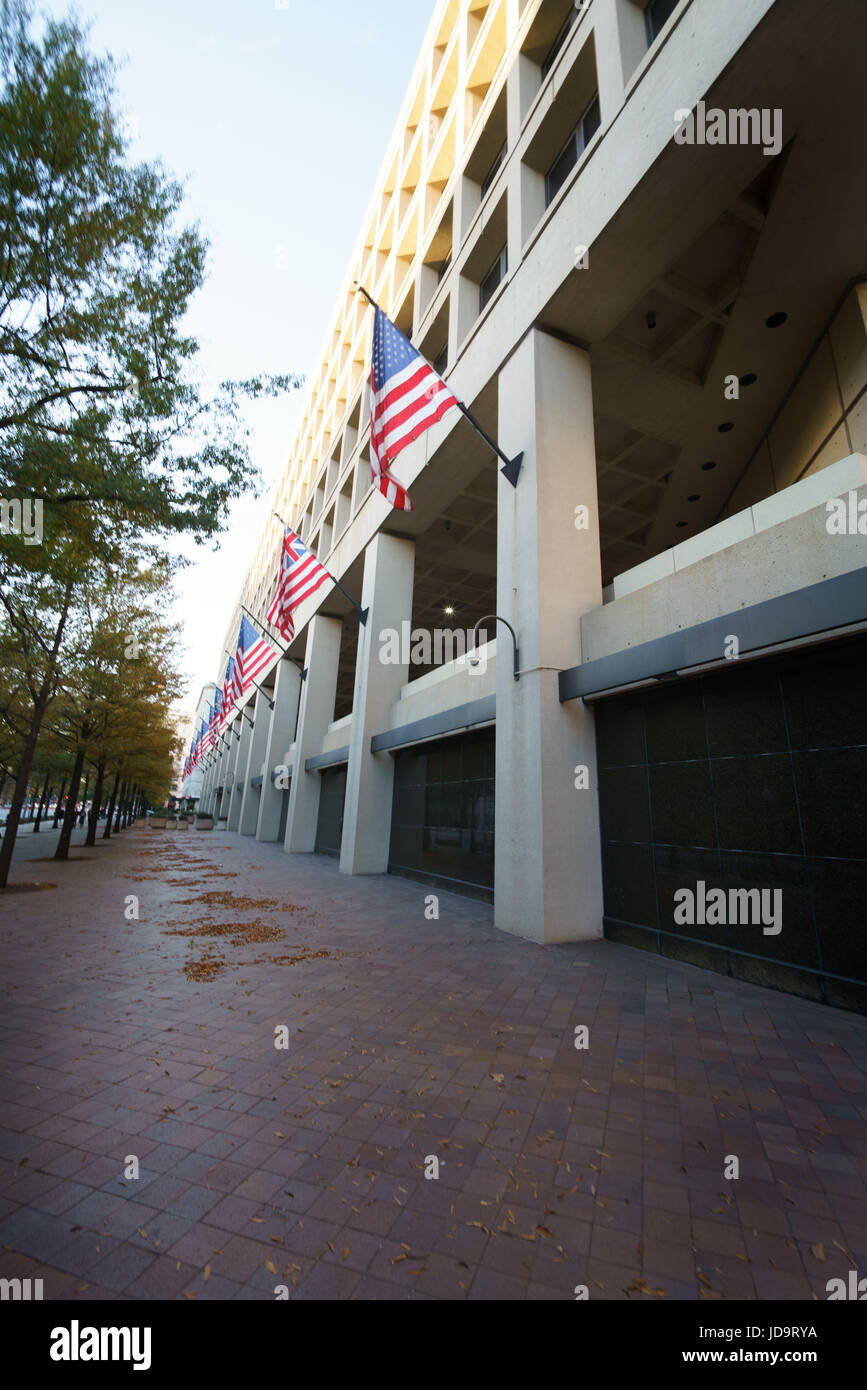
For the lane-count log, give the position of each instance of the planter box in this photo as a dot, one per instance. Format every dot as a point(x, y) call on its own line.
point(183, 825)
point(171, 824)
point(223, 823)
point(204, 822)
point(158, 822)
point(141, 821)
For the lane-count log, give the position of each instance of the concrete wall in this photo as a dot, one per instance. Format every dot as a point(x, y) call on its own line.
point(812, 429)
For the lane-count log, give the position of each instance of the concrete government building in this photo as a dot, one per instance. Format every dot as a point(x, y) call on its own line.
point(631, 237)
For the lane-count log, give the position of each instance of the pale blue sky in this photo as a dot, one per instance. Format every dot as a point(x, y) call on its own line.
point(277, 114)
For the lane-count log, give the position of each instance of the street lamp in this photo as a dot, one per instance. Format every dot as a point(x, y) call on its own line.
point(474, 660)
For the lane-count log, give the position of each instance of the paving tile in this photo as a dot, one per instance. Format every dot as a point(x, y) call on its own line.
point(316, 1165)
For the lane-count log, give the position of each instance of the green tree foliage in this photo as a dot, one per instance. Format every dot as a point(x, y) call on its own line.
point(103, 419)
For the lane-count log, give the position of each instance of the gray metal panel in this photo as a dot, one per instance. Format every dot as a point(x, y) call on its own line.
point(448, 721)
point(818, 608)
point(332, 759)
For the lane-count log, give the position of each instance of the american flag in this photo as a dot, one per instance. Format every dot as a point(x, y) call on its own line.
point(407, 397)
point(208, 737)
point(300, 576)
point(253, 655)
point(215, 714)
point(231, 691)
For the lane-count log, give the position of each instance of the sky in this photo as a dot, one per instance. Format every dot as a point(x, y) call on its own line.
point(276, 115)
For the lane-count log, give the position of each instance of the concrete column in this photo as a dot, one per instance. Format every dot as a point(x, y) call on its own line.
point(281, 729)
point(216, 781)
point(206, 785)
point(548, 877)
point(229, 765)
point(237, 793)
point(389, 566)
point(610, 40)
point(258, 739)
point(316, 713)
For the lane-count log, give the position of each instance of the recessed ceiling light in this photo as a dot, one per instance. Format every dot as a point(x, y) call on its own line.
point(748, 379)
point(448, 611)
point(776, 320)
point(709, 465)
point(725, 427)
point(693, 497)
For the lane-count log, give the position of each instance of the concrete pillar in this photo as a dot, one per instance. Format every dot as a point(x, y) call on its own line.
point(205, 793)
point(237, 793)
point(229, 763)
point(547, 877)
point(281, 730)
point(250, 796)
point(316, 713)
point(389, 566)
point(613, 47)
point(216, 780)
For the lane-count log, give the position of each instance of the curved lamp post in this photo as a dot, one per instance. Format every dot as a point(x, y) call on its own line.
point(474, 661)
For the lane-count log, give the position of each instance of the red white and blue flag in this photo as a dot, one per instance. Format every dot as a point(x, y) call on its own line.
point(231, 688)
point(300, 576)
point(253, 656)
point(406, 397)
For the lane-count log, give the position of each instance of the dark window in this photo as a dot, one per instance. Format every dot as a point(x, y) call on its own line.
point(442, 820)
point(492, 280)
point(329, 827)
point(441, 361)
point(655, 17)
point(492, 172)
point(572, 151)
point(559, 41)
point(745, 780)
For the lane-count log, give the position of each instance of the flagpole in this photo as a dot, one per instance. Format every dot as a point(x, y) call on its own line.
point(362, 612)
point(511, 467)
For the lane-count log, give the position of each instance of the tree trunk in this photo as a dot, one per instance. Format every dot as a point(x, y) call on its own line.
point(69, 817)
point(42, 801)
point(106, 834)
point(23, 777)
point(97, 798)
point(120, 806)
point(59, 804)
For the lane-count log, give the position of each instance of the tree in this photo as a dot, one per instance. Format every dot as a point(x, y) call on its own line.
point(116, 692)
point(104, 427)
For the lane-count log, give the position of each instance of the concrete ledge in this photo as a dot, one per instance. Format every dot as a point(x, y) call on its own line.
point(472, 715)
point(818, 608)
point(333, 758)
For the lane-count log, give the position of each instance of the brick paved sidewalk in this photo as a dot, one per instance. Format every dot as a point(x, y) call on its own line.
point(406, 1038)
